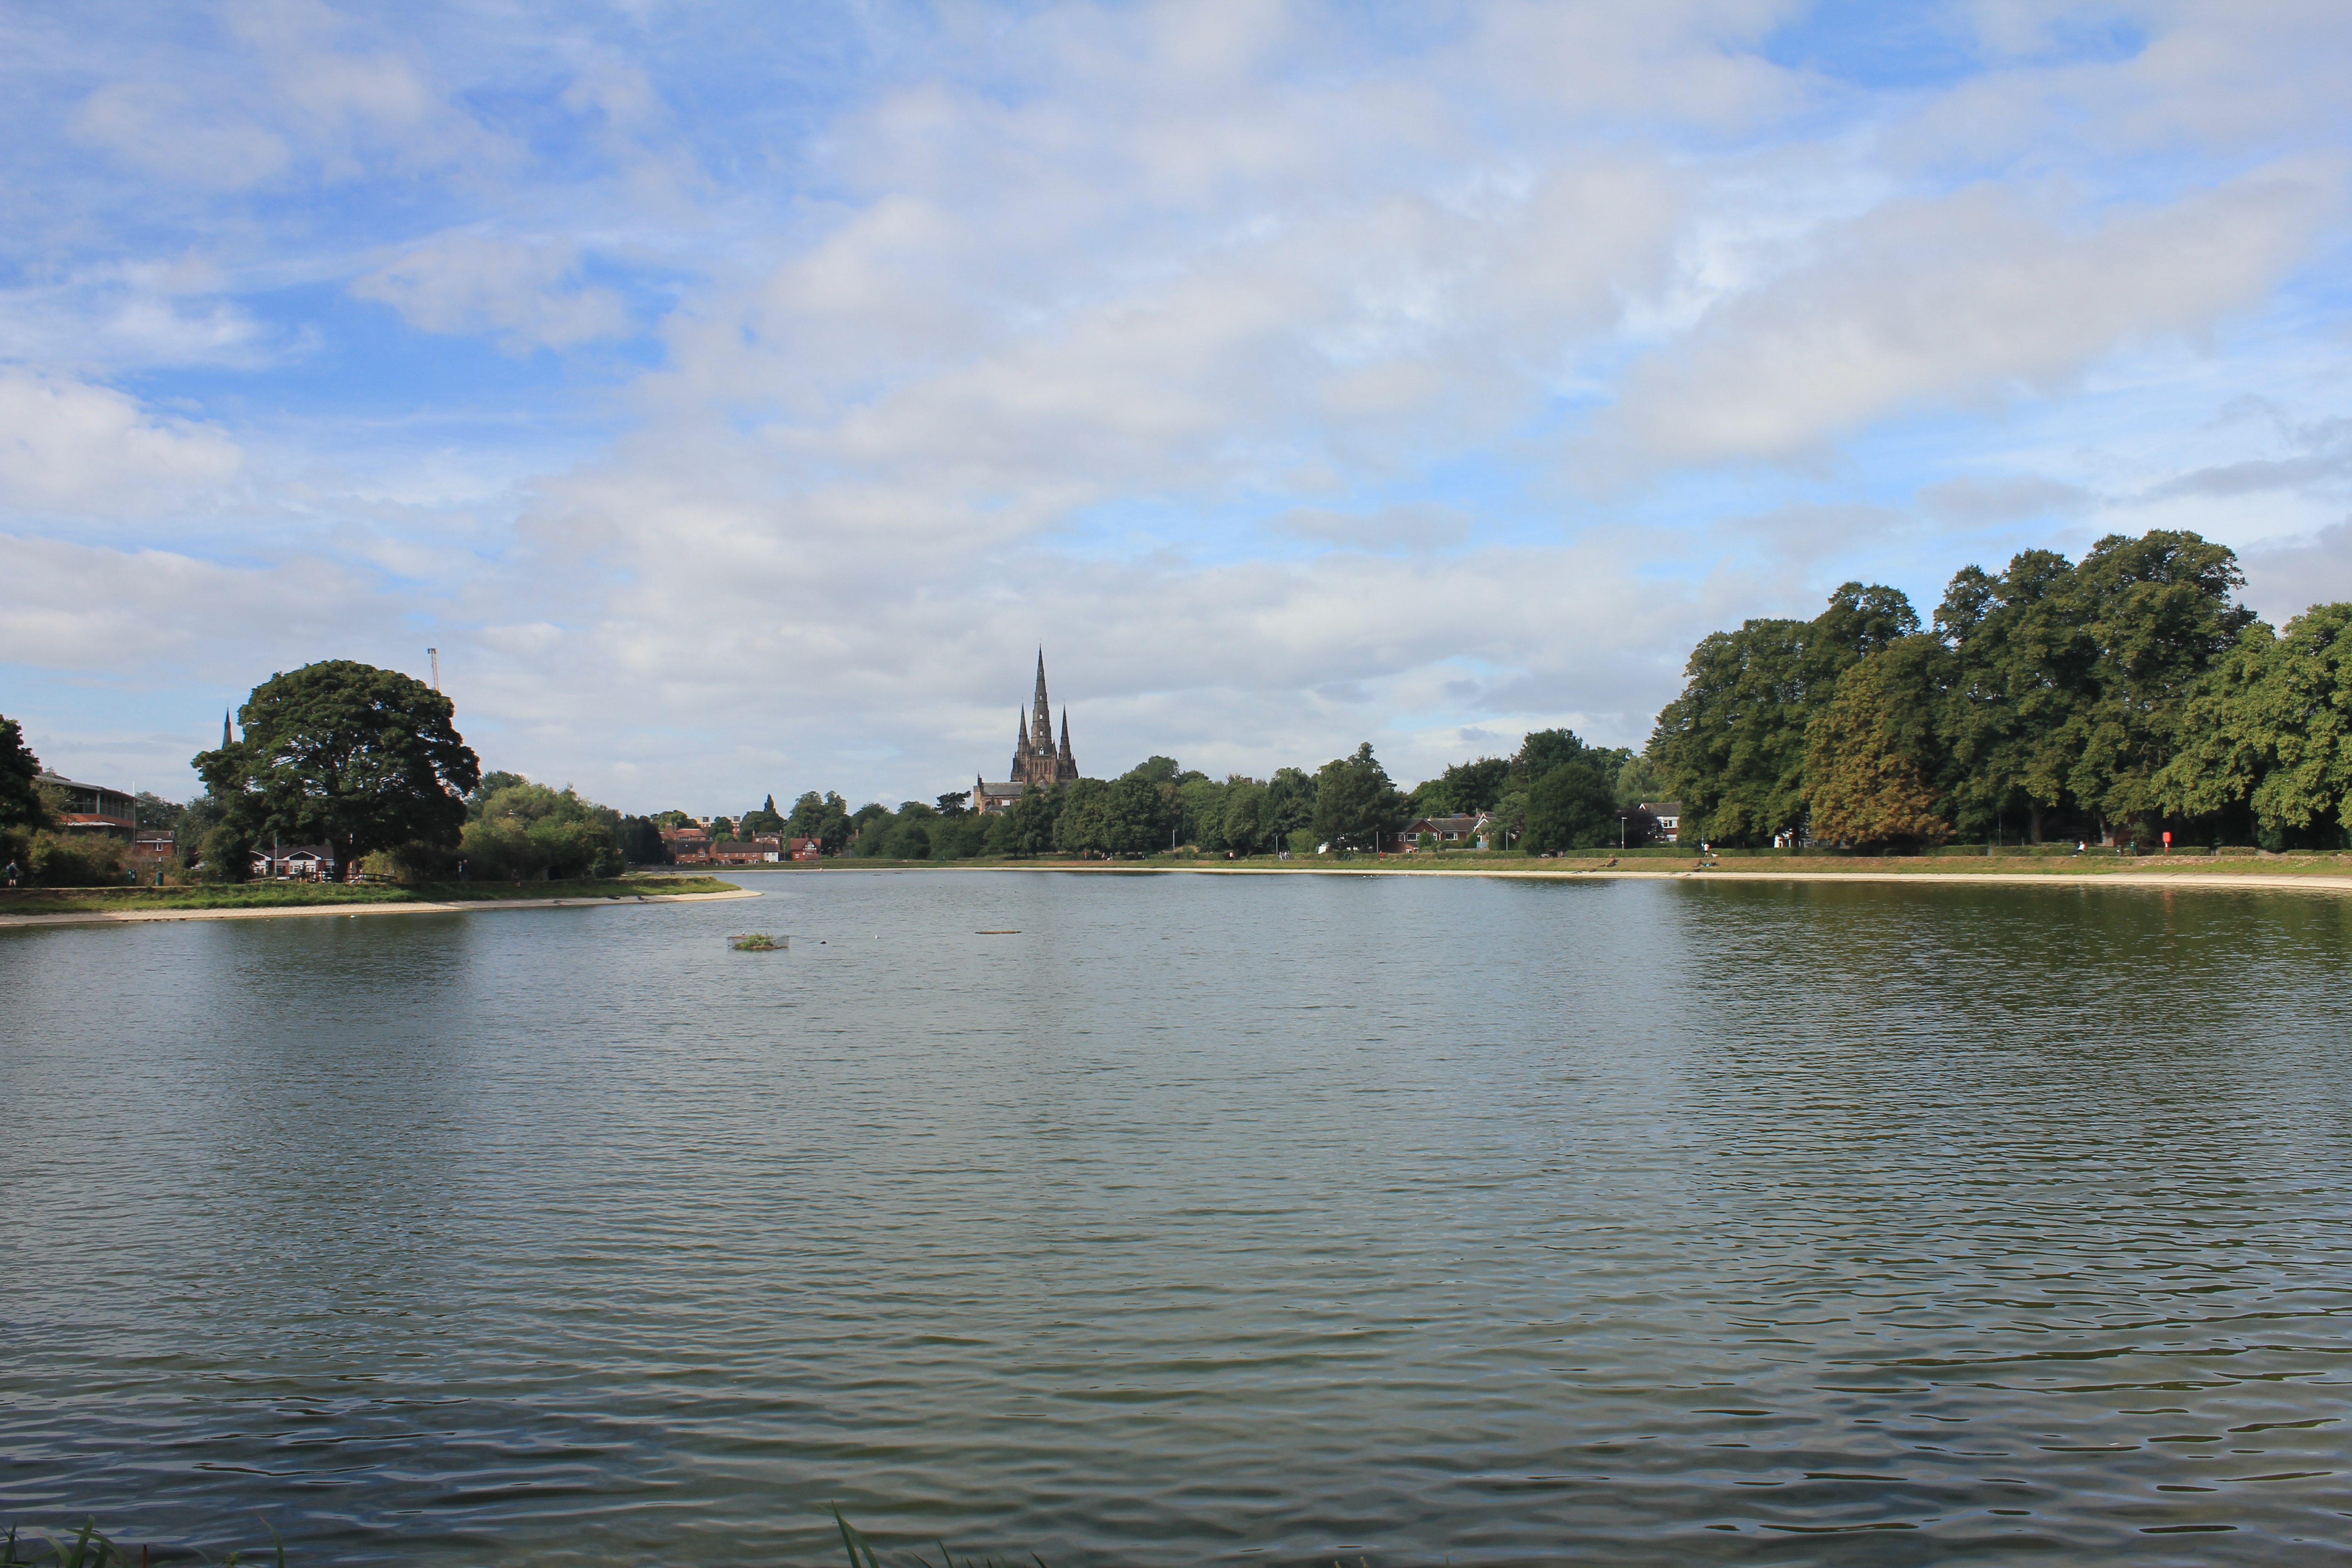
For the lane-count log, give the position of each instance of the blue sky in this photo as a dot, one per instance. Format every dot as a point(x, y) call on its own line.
point(738, 394)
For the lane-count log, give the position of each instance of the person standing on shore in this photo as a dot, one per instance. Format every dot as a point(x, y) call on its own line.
point(13, 873)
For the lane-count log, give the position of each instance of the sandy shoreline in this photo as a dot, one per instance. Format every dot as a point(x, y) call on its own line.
point(126, 917)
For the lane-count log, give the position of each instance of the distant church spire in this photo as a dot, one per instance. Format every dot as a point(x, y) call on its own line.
point(1035, 764)
point(224, 737)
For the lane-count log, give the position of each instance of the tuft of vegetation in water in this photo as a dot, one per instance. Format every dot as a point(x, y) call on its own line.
point(861, 1551)
point(754, 942)
point(89, 1549)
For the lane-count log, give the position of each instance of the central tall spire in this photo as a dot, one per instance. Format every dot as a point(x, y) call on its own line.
point(1041, 728)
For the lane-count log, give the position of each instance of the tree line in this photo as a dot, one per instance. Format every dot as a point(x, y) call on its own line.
point(2116, 698)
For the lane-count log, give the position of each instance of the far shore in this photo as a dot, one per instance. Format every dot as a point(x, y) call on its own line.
point(2316, 873)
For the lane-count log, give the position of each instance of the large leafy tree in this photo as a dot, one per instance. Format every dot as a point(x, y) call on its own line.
point(2273, 726)
point(526, 829)
point(2020, 680)
point(1079, 823)
point(1029, 822)
point(1138, 816)
point(1872, 752)
point(21, 805)
point(824, 817)
point(348, 755)
point(1732, 747)
point(1354, 799)
point(1571, 796)
point(2159, 614)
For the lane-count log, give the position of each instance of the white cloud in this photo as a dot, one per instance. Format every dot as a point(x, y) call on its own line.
point(1957, 302)
point(525, 293)
point(68, 448)
point(154, 126)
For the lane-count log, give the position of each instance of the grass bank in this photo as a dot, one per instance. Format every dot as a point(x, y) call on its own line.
point(313, 895)
point(2250, 866)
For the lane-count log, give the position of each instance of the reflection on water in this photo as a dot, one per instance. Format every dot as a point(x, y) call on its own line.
point(1208, 1218)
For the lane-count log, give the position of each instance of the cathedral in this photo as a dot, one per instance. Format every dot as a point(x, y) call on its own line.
point(1035, 763)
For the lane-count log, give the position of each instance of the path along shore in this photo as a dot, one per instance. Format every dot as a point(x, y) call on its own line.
point(126, 917)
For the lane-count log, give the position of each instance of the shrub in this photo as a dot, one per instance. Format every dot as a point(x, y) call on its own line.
point(75, 860)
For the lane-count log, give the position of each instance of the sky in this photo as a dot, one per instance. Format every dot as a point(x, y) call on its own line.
point(740, 395)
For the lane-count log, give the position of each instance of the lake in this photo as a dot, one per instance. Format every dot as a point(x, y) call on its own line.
point(1207, 1219)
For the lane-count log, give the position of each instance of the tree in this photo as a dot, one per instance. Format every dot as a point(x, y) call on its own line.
point(1029, 822)
point(2159, 613)
point(824, 817)
point(1354, 800)
point(958, 803)
point(1289, 805)
point(764, 819)
point(640, 842)
point(1244, 829)
point(1474, 786)
point(1638, 781)
point(1079, 825)
point(22, 809)
point(528, 830)
point(346, 754)
point(1201, 805)
point(1137, 818)
point(2020, 676)
point(1871, 752)
point(1157, 770)
point(1572, 802)
point(1732, 748)
point(2272, 726)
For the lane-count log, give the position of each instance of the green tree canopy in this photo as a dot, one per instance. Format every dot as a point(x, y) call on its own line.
point(1354, 800)
point(1732, 747)
point(2159, 613)
point(1029, 822)
point(2272, 726)
point(528, 830)
point(1572, 803)
point(2020, 677)
point(21, 806)
point(348, 755)
point(1080, 826)
point(1871, 751)
point(824, 817)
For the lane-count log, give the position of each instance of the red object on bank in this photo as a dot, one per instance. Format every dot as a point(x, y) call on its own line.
point(2168, 842)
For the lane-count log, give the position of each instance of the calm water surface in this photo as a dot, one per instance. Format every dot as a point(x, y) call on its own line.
point(1248, 1219)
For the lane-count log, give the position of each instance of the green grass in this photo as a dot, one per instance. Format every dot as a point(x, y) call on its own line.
point(301, 895)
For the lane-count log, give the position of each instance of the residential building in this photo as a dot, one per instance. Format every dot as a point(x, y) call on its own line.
point(764, 847)
point(1669, 813)
point(303, 862)
point(92, 807)
point(1462, 830)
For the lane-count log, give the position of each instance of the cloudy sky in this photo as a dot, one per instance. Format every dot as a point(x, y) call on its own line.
point(738, 395)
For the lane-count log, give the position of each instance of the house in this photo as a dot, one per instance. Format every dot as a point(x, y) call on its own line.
point(805, 848)
point(303, 862)
point(155, 844)
point(1669, 813)
point(1446, 830)
point(92, 807)
point(688, 846)
point(753, 851)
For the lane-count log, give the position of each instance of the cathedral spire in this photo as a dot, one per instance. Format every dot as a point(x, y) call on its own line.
point(226, 742)
point(1065, 740)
